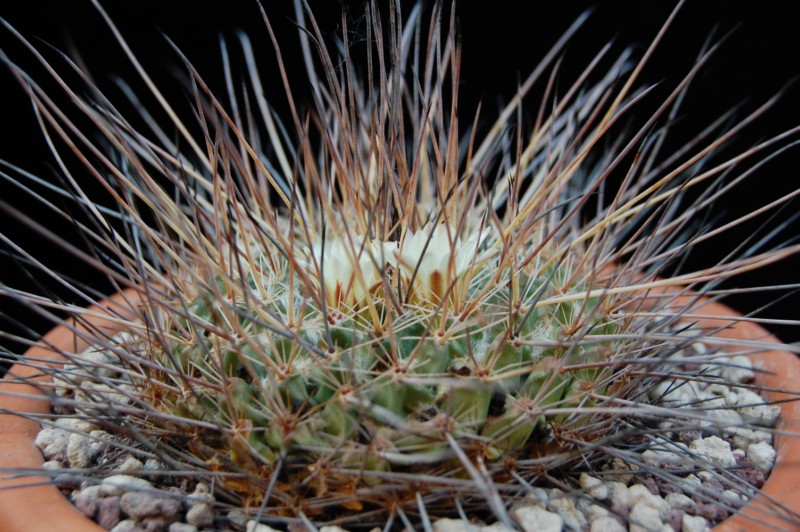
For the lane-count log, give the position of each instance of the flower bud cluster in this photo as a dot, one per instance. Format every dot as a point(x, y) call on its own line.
point(433, 261)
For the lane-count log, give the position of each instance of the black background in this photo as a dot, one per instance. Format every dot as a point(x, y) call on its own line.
point(501, 45)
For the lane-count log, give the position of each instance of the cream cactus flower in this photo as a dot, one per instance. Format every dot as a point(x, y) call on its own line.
point(439, 258)
point(348, 269)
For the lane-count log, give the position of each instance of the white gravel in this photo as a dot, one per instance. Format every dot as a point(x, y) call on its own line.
point(753, 410)
point(605, 501)
point(535, 519)
point(607, 524)
point(762, 455)
point(593, 487)
point(644, 518)
point(252, 526)
point(119, 484)
point(678, 501)
point(693, 523)
point(714, 450)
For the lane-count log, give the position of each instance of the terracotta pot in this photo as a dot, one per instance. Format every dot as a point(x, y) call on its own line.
point(32, 504)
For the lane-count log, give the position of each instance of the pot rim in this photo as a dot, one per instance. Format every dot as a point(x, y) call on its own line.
point(21, 506)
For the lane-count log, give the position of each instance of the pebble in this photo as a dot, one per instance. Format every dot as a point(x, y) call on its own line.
point(154, 524)
point(200, 514)
point(733, 498)
point(99, 393)
point(142, 504)
point(712, 369)
point(617, 466)
point(675, 520)
point(447, 524)
point(182, 527)
point(51, 465)
point(108, 512)
point(693, 523)
point(705, 476)
point(644, 518)
point(535, 519)
point(131, 464)
point(669, 392)
point(594, 512)
point(118, 484)
point(739, 370)
point(724, 417)
point(564, 505)
point(494, 527)
point(638, 494)
point(754, 410)
point(679, 501)
point(128, 525)
point(53, 442)
point(711, 511)
point(93, 492)
point(743, 437)
point(722, 390)
point(618, 493)
point(714, 450)
point(252, 526)
point(201, 493)
point(537, 496)
point(85, 505)
point(94, 363)
point(708, 400)
point(593, 487)
point(81, 449)
point(762, 455)
point(63, 387)
point(238, 518)
point(152, 464)
point(451, 525)
point(692, 482)
point(672, 453)
point(72, 424)
point(607, 524)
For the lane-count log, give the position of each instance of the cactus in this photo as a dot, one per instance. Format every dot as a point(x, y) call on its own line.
point(383, 318)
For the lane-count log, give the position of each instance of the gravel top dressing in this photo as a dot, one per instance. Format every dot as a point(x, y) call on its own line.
point(726, 428)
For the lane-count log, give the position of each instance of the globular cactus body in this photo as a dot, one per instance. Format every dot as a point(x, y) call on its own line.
point(487, 369)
